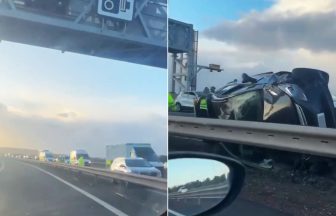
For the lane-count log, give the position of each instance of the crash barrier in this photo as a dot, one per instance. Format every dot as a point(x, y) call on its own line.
point(146, 181)
point(214, 191)
point(295, 138)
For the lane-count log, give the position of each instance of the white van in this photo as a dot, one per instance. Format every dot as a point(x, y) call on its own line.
point(75, 155)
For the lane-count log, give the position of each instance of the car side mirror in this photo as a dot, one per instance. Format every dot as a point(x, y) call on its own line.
point(202, 184)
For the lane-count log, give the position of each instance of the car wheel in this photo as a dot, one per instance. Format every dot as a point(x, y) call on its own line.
point(178, 107)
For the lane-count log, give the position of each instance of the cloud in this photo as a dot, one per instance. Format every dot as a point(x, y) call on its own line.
point(236, 61)
point(3, 108)
point(286, 25)
point(299, 7)
point(26, 102)
point(67, 115)
point(289, 34)
point(37, 132)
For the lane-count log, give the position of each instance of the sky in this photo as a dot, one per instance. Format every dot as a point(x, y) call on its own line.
point(254, 36)
point(194, 169)
point(65, 101)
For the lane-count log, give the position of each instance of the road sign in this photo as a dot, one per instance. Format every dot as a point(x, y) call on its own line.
point(120, 9)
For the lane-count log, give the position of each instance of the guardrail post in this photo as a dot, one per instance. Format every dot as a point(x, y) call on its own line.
point(199, 200)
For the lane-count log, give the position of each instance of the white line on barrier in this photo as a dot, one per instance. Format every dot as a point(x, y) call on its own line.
point(175, 213)
point(92, 197)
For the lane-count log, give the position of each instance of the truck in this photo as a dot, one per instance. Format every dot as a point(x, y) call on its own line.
point(133, 150)
point(76, 156)
point(46, 155)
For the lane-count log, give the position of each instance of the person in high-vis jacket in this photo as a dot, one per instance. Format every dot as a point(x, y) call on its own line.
point(81, 161)
point(171, 102)
point(201, 106)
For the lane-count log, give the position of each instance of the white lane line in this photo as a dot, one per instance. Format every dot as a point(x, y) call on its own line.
point(175, 213)
point(92, 197)
point(119, 194)
point(2, 166)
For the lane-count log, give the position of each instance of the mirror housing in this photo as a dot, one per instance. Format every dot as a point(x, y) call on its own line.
point(237, 176)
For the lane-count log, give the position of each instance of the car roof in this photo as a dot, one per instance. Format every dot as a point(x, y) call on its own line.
point(81, 151)
point(128, 158)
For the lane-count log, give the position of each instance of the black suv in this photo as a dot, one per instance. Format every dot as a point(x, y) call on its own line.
point(300, 97)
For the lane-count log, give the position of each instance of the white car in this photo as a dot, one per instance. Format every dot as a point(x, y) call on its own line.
point(134, 165)
point(182, 190)
point(186, 100)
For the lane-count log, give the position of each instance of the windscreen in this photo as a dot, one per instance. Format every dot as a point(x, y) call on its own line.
point(146, 153)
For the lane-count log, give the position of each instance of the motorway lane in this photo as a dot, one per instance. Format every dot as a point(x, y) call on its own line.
point(134, 200)
point(26, 190)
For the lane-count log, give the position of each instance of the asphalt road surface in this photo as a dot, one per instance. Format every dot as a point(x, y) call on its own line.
point(30, 190)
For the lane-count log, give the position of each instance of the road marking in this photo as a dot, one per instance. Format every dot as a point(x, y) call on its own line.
point(119, 194)
point(175, 213)
point(92, 197)
point(2, 166)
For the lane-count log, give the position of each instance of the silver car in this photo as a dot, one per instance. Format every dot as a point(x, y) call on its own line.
point(186, 100)
point(134, 165)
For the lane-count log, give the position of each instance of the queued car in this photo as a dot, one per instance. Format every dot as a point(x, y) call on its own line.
point(182, 190)
point(300, 97)
point(134, 165)
point(186, 100)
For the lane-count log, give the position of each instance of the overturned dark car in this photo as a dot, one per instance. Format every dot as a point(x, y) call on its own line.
point(300, 97)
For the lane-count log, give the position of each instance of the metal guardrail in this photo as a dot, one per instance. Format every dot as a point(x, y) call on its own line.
point(146, 181)
point(295, 138)
point(219, 191)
